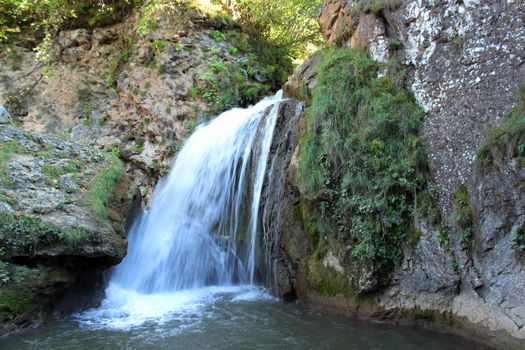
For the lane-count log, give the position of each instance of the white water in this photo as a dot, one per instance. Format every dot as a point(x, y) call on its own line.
point(193, 244)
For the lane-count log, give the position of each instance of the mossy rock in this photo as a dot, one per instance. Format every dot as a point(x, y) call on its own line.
point(24, 298)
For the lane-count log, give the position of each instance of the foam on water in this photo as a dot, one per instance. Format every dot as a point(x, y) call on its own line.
point(125, 309)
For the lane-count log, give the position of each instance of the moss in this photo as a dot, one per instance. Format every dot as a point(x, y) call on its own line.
point(53, 172)
point(28, 232)
point(27, 292)
point(217, 36)
point(101, 188)
point(414, 237)
point(361, 163)
point(8, 149)
point(419, 314)
point(327, 281)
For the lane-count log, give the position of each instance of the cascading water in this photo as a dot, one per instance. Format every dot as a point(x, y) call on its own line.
point(189, 237)
point(201, 228)
point(188, 279)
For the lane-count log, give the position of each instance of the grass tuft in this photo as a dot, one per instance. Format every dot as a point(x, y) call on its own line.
point(507, 140)
point(102, 187)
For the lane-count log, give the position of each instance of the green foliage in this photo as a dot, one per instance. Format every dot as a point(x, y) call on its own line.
point(217, 66)
point(217, 36)
point(361, 162)
point(233, 51)
point(286, 24)
point(179, 48)
point(226, 85)
point(101, 189)
point(463, 217)
point(158, 45)
point(117, 62)
point(53, 172)
point(149, 10)
point(507, 140)
point(43, 19)
point(8, 149)
point(189, 126)
point(139, 147)
point(115, 152)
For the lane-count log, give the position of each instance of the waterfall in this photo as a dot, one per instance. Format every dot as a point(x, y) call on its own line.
point(200, 230)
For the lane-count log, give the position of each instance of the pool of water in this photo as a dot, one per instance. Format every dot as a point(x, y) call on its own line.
point(240, 317)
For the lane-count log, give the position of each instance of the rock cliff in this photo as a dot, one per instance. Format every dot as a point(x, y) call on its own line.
point(112, 87)
point(62, 214)
point(464, 64)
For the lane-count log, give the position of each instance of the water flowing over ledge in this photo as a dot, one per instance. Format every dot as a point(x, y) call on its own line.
point(199, 237)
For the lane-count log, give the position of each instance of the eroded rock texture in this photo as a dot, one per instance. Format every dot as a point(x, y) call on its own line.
point(50, 235)
point(465, 61)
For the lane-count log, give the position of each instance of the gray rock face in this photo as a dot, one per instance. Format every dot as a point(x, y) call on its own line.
point(49, 233)
point(465, 61)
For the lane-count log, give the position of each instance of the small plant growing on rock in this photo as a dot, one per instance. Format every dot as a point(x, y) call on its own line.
point(217, 36)
point(507, 140)
point(215, 50)
point(179, 48)
point(189, 126)
point(158, 45)
point(101, 188)
point(374, 6)
point(217, 66)
point(463, 217)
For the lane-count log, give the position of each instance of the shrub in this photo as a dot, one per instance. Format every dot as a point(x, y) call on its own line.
point(361, 161)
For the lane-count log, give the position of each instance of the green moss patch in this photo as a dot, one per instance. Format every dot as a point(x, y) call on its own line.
point(21, 231)
point(102, 187)
point(327, 281)
point(27, 292)
point(463, 217)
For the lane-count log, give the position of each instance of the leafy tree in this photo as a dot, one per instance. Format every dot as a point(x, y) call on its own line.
point(289, 24)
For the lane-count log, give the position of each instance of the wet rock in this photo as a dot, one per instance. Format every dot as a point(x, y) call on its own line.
point(301, 84)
